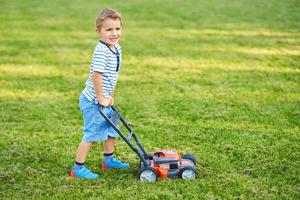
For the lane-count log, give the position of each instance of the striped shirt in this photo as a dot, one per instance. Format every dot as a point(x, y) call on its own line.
point(108, 63)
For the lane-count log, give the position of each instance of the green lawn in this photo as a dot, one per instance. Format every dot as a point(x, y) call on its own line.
point(219, 79)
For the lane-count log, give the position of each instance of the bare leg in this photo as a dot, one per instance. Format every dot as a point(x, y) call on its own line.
point(109, 145)
point(82, 151)
point(78, 170)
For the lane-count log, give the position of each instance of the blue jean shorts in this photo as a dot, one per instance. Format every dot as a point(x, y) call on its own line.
point(95, 127)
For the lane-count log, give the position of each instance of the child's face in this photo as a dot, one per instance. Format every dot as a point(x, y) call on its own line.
point(110, 31)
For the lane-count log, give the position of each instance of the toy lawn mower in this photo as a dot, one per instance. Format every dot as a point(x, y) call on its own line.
point(164, 163)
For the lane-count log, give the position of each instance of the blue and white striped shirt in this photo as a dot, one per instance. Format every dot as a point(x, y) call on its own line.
point(108, 63)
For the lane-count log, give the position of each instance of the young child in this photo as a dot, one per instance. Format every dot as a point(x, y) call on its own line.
point(99, 89)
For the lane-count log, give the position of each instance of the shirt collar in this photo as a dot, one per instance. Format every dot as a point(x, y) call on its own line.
point(117, 52)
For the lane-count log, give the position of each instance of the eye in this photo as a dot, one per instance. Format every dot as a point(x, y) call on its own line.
point(118, 28)
point(108, 29)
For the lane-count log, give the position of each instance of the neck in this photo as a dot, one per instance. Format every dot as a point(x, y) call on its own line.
point(110, 46)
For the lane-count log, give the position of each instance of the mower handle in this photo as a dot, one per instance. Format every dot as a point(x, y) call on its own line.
point(140, 151)
point(110, 121)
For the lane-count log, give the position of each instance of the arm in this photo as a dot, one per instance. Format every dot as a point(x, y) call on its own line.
point(113, 93)
point(98, 86)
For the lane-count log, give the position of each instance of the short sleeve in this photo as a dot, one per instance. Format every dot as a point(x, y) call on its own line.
point(99, 60)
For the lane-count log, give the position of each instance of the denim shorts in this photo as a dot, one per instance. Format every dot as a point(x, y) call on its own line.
point(95, 127)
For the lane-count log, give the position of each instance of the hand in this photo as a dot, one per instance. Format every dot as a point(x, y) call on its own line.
point(107, 101)
point(111, 102)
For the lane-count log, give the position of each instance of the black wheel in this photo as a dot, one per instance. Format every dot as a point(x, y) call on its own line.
point(188, 173)
point(142, 165)
point(148, 175)
point(189, 157)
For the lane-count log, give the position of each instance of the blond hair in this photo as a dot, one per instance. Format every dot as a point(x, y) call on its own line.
point(105, 14)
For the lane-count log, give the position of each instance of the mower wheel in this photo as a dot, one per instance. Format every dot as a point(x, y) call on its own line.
point(188, 172)
point(142, 165)
point(189, 157)
point(148, 175)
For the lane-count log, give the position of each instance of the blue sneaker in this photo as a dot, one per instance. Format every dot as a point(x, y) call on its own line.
point(114, 163)
point(82, 172)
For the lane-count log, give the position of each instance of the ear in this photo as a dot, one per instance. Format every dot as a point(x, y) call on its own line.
point(97, 30)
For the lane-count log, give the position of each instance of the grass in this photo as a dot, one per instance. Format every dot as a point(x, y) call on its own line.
point(219, 79)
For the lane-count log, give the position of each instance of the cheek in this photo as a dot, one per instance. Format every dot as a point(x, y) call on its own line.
point(103, 35)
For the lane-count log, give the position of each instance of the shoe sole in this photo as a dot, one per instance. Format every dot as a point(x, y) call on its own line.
point(104, 167)
point(73, 176)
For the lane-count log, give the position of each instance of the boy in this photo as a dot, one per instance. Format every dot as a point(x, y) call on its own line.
point(99, 89)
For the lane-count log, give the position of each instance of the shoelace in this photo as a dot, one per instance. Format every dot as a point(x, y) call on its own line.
point(117, 161)
point(85, 172)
